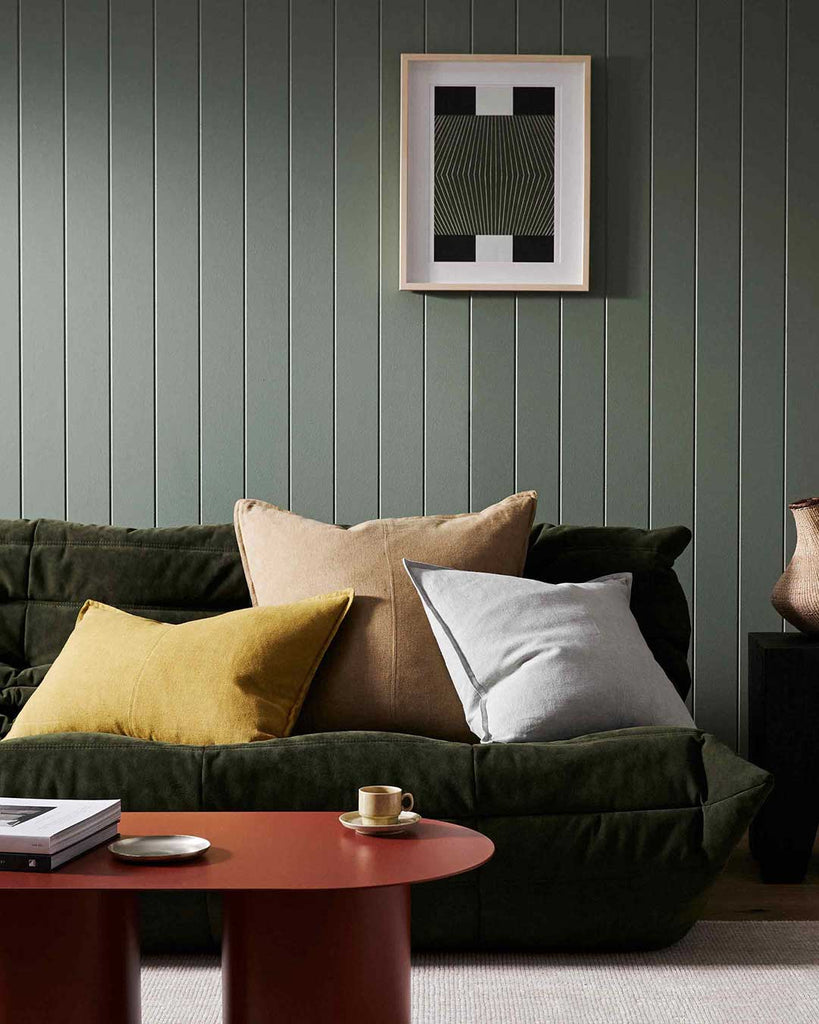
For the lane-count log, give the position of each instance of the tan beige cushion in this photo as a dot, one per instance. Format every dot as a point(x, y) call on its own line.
point(385, 670)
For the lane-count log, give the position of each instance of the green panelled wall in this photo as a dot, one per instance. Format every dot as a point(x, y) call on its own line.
point(199, 256)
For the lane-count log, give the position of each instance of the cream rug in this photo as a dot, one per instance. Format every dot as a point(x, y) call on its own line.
point(721, 973)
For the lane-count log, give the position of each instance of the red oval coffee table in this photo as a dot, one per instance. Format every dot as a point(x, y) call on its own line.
point(316, 919)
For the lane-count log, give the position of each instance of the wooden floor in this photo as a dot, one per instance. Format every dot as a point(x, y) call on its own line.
point(740, 896)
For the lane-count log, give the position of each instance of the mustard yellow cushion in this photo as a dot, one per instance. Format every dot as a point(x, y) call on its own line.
point(232, 678)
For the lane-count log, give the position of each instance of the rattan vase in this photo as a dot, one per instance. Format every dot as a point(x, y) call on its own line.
point(796, 595)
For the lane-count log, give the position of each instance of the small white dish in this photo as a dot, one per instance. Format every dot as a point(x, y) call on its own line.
point(159, 849)
point(406, 821)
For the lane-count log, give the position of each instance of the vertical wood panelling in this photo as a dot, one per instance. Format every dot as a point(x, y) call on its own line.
point(86, 254)
point(401, 380)
point(717, 354)
point(132, 258)
point(357, 80)
point(584, 327)
point(763, 322)
point(42, 284)
point(493, 402)
point(199, 268)
point(9, 266)
point(177, 261)
point(802, 427)
point(221, 255)
point(492, 436)
point(446, 378)
point(446, 427)
point(628, 245)
point(537, 362)
point(312, 257)
point(673, 218)
point(539, 30)
point(267, 259)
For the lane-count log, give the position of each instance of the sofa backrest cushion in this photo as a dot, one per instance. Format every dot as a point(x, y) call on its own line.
point(574, 554)
point(49, 569)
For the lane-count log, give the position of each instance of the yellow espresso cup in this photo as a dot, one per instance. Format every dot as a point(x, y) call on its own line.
point(382, 805)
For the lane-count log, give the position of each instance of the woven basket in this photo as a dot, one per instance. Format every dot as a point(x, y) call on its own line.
point(796, 595)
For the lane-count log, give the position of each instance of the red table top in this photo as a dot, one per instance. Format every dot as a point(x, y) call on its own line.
point(271, 850)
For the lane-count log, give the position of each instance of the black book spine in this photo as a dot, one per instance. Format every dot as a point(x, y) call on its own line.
point(25, 862)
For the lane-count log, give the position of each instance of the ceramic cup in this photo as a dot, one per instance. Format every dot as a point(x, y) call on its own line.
point(382, 805)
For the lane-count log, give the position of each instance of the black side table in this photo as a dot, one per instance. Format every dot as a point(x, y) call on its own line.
point(783, 682)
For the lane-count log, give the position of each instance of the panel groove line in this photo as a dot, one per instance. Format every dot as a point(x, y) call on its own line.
point(583, 328)
point(42, 257)
point(312, 258)
point(86, 261)
point(492, 377)
point(401, 314)
point(267, 205)
point(176, 260)
point(446, 392)
point(11, 435)
point(356, 261)
point(628, 280)
point(221, 268)
point(762, 405)
point(131, 271)
point(673, 265)
point(537, 326)
point(717, 393)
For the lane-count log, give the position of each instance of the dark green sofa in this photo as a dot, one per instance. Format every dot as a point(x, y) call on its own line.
point(606, 841)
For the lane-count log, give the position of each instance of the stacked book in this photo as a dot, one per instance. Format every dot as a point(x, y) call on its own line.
point(40, 835)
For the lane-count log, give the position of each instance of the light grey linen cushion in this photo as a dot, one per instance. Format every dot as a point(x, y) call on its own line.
point(544, 661)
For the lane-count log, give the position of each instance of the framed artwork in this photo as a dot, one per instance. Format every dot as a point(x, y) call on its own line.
point(494, 172)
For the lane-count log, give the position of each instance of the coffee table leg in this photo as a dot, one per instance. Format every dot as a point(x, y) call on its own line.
point(69, 958)
point(341, 955)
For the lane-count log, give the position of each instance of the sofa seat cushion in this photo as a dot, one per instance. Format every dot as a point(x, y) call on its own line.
point(610, 840)
point(95, 766)
point(322, 771)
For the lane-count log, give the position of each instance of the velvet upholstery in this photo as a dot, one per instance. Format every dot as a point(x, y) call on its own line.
point(49, 569)
point(606, 841)
point(609, 840)
point(573, 554)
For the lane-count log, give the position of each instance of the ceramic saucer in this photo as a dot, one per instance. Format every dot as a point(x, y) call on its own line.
point(159, 849)
point(406, 821)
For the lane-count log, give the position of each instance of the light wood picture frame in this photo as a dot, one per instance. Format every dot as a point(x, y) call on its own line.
point(495, 169)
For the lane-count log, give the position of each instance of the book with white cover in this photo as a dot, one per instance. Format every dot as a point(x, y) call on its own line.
point(48, 826)
point(44, 862)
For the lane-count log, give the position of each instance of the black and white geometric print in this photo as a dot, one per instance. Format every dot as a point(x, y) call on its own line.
point(494, 181)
